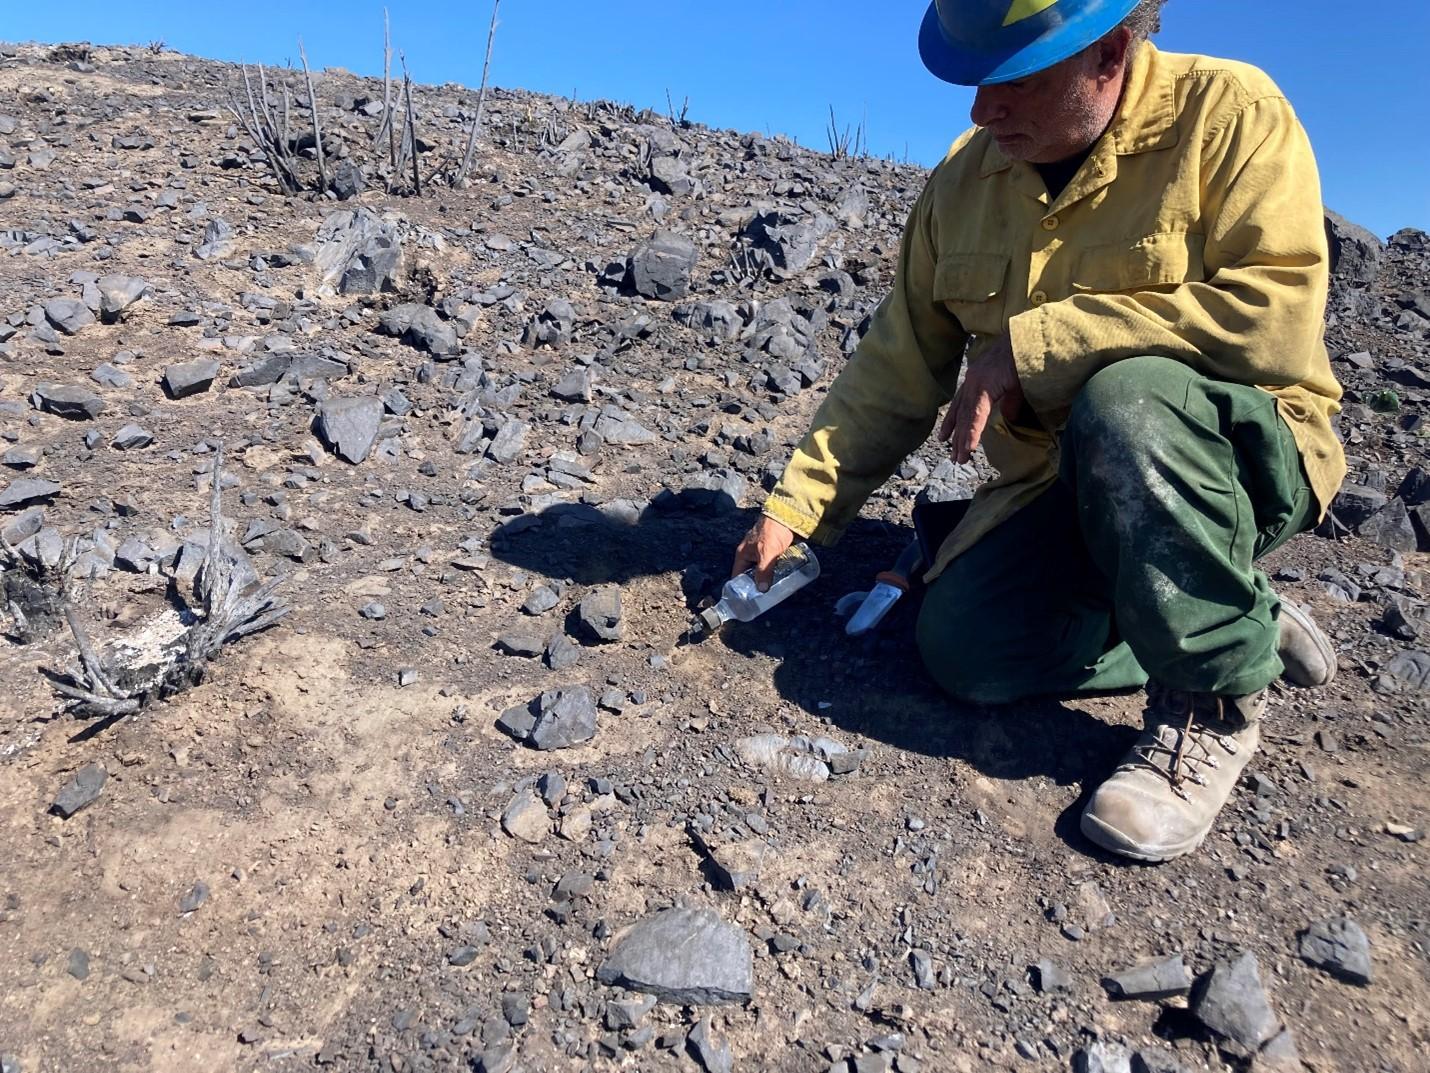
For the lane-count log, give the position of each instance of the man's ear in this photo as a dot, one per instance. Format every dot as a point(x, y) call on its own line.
point(1112, 53)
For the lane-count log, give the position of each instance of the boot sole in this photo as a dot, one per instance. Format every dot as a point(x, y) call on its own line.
point(1114, 841)
point(1307, 626)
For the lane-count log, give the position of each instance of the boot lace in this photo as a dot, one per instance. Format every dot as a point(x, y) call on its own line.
point(1179, 747)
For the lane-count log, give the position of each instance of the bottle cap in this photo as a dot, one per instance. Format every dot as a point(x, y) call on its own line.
point(709, 620)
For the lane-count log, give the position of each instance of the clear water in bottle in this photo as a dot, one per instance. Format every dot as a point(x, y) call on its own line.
point(742, 601)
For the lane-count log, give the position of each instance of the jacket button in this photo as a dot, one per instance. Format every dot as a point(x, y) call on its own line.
point(1038, 297)
point(1050, 223)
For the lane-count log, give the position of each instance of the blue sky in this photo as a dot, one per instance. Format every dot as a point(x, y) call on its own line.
point(1357, 74)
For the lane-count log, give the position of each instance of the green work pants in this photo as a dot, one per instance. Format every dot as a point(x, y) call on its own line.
point(1137, 563)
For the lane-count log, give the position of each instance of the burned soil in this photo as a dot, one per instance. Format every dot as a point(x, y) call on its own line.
point(476, 802)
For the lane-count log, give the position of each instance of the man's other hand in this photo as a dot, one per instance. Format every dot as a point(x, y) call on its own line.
point(990, 380)
point(763, 544)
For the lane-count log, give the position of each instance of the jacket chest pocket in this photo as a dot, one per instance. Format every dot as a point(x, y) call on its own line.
point(1163, 260)
point(972, 287)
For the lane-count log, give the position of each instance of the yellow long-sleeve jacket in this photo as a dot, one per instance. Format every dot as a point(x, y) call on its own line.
point(1194, 231)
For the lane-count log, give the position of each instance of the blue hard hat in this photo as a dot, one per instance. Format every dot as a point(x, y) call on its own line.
point(980, 42)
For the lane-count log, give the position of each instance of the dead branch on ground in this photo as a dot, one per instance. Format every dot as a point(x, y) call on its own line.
point(229, 612)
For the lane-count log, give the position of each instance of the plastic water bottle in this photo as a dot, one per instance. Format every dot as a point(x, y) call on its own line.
point(742, 601)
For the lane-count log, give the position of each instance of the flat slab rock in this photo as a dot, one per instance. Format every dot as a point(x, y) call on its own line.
point(690, 957)
point(1407, 672)
point(350, 426)
point(117, 293)
point(558, 719)
point(1231, 1002)
point(69, 315)
point(1340, 947)
point(600, 614)
point(27, 490)
point(190, 377)
point(80, 791)
point(1151, 981)
point(68, 401)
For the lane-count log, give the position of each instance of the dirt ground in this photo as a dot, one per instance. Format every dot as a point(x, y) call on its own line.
point(347, 828)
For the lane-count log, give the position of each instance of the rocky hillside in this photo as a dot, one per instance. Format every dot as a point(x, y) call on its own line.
point(475, 801)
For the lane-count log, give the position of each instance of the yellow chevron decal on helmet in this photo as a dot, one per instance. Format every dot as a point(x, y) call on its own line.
point(1025, 9)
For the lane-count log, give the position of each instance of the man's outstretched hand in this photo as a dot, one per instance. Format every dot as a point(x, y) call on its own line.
point(990, 380)
point(763, 544)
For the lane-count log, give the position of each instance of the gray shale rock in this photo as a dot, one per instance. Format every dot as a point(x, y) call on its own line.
point(27, 490)
point(131, 437)
point(22, 457)
point(575, 386)
point(1355, 503)
point(1231, 1002)
point(1406, 619)
point(349, 426)
point(1050, 977)
point(348, 181)
point(69, 401)
point(1407, 672)
point(526, 818)
point(1147, 1060)
point(1390, 527)
point(509, 442)
point(623, 431)
point(358, 253)
point(689, 957)
point(78, 964)
point(1355, 252)
point(420, 327)
point(521, 643)
point(107, 375)
point(713, 1054)
point(542, 599)
point(117, 294)
point(600, 614)
point(564, 718)
point(69, 315)
point(1340, 947)
point(1415, 488)
point(1102, 1057)
point(792, 241)
point(81, 791)
point(217, 242)
point(193, 898)
point(716, 321)
point(661, 268)
point(1154, 980)
point(190, 378)
point(262, 371)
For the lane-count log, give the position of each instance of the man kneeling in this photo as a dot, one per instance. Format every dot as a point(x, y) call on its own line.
point(1126, 259)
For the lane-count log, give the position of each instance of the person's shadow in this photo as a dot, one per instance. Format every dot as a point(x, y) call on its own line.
point(875, 685)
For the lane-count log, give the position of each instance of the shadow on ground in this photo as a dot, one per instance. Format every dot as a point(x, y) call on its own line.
point(875, 686)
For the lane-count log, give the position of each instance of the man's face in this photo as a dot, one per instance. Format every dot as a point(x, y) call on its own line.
point(1053, 114)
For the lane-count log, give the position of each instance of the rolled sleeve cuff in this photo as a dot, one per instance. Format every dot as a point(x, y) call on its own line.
point(797, 521)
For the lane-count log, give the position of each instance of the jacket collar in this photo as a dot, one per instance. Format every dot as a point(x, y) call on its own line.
point(1145, 117)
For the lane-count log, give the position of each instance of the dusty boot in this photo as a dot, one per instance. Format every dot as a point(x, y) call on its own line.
point(1164, 796)
point(1305, 651)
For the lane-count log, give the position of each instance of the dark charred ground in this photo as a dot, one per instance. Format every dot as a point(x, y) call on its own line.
point(347, 828)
